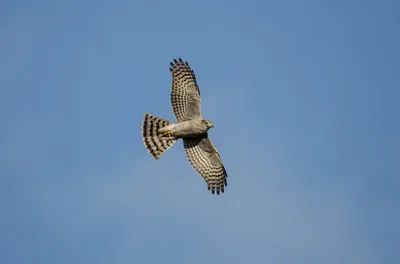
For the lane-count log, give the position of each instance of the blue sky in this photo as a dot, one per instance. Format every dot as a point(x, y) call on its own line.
point(304, 96)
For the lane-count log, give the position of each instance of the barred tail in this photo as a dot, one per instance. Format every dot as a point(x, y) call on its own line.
point(153, 141)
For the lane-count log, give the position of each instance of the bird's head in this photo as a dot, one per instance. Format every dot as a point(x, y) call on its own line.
point(208, 124)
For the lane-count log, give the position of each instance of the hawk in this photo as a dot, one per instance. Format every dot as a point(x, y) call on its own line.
point(159, 134)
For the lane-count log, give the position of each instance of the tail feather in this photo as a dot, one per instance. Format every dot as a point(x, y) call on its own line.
point(153, 141)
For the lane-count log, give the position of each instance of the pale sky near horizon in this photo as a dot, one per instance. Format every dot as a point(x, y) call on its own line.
point(304, 96)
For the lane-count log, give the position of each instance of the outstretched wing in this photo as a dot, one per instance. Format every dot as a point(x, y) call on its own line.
point(204, 157)
point(185, 94)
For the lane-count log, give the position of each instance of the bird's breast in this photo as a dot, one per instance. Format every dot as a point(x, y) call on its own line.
point(189, 129)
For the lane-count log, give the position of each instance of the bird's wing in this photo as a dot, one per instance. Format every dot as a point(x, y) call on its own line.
point(204, 157)
point(185, 94)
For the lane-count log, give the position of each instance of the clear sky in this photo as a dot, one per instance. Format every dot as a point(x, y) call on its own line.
point(304, 96)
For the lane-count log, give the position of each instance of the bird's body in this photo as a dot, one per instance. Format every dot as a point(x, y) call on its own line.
point(159, 134)
point(187, 129)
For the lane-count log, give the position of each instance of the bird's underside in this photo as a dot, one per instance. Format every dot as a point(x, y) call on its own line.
point(159, 134)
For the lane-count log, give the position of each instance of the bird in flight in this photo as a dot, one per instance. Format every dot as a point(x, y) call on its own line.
point(160, 134)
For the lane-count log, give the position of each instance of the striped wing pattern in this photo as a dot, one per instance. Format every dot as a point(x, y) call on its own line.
point(204, 157)
point(185, 94)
